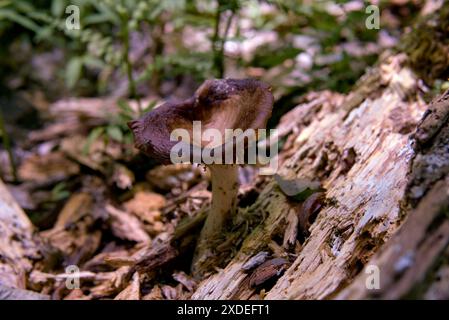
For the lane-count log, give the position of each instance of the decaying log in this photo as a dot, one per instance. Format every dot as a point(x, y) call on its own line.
point(364, 201)
point(7, 293)
point(381, 154)
point(410, 263)
point(19, 245)
point(407, 260)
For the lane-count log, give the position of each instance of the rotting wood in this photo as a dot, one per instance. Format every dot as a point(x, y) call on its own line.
point(408, 262)
point(19, 245)
point(364, 210)
point(361, 150)
point(405, 262)
point(7, 293)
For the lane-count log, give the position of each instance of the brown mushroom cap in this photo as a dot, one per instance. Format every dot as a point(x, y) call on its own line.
point(219, 104)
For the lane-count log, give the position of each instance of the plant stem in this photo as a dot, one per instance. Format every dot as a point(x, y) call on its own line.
point(218, 58)
point(218, 42)
point(129, 68)
point(158, 49)
point(223, 41)
point(7, 146)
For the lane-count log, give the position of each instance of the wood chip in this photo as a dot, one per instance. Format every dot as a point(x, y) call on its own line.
point(188, 282)
point(132, 291)
point(126, 226)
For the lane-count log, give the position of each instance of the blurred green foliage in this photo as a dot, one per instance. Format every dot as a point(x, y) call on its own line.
point(103, 40)
point(102, 46)
point(134, 48)
point(117, 129)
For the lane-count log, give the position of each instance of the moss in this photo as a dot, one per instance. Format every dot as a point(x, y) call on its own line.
point(427, 46)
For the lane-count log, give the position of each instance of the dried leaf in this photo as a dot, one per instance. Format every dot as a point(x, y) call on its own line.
point(99, 155)
point(51, 167)
point(268, 270)
point(154, 294)
point(309, 211)
point(146, 206)
point(126, 226)
point(72, 233)
point(180, 176)
point(76, 207)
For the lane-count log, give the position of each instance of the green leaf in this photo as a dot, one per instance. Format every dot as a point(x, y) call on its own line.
point(44, 33)
point(73, 71)
point(125, 108)
point(19, 19)
point(98, 19)
point(93, 135)
point(58, 7)
point(93, 62)
point(4, 3)
point(128, 138)
point(115, 133)
point(104, 9)
point(59, 192)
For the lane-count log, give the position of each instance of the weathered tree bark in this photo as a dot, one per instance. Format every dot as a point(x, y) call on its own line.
point(378, 178)
point(414, 263)
point(19, 245)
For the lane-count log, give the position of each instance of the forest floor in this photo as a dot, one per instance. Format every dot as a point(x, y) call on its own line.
point(126, 226)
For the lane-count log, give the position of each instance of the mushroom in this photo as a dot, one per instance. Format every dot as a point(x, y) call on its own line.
point(217, 104)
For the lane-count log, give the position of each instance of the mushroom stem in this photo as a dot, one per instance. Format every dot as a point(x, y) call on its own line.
point(225, 186)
